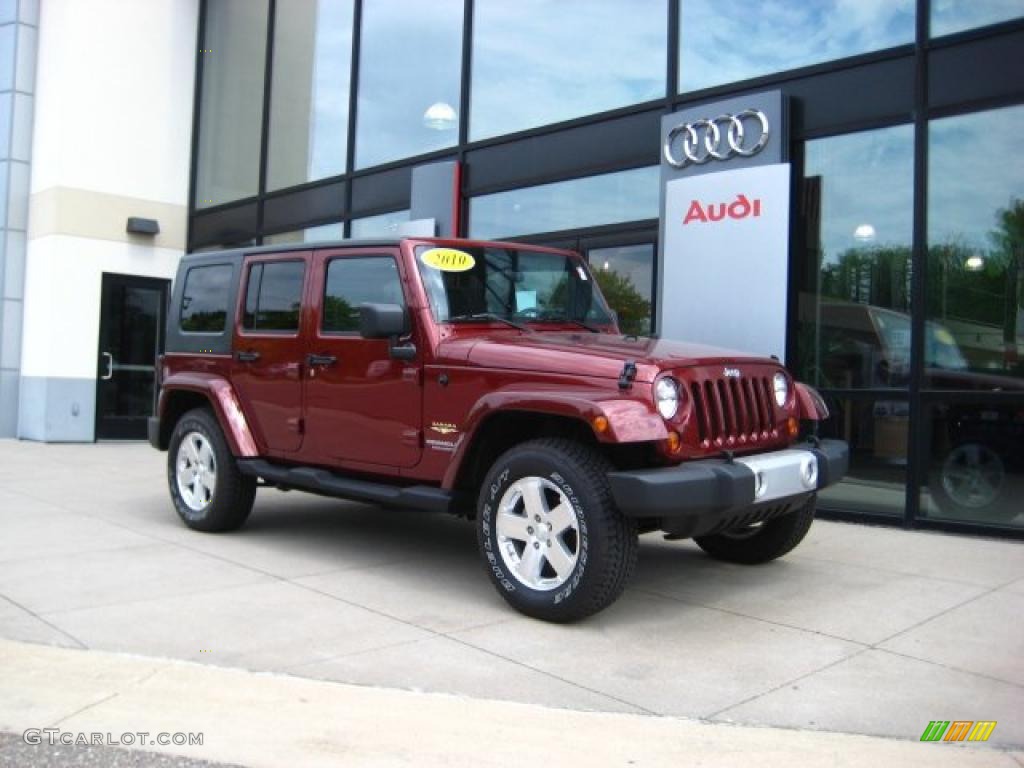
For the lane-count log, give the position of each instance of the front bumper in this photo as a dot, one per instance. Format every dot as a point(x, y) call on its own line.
point(699, 496)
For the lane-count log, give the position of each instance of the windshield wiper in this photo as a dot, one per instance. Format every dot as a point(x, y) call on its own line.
point(490, 316)
point(564, 319)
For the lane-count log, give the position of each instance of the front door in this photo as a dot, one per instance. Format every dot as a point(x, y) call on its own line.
point(361, 405)
point(132, 316)
point(269, 348)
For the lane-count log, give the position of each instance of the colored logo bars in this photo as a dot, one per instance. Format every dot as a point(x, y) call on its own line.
point(958, 730)
point(719, 138)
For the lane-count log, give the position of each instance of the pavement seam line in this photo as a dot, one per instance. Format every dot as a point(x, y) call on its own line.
point(941, 613)
point(797, 679)
point(686, 601)
point(951, 668)
point(553, 676)
point(80, 710)
point(51, 625)
point(895, 571)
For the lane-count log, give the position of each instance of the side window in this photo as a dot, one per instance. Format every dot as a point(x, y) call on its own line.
point(273, 296)
point(358, 280)
point(204, 300)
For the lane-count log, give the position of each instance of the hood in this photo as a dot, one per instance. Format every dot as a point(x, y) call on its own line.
point(589, 354)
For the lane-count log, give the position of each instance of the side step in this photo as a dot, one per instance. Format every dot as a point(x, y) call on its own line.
point(322, 481)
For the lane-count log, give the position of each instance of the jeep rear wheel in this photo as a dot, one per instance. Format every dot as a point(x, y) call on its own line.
point(553, 542)
point(208, 491)
point(761, 542)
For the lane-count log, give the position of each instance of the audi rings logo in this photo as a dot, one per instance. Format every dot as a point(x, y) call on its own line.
point(719, 138)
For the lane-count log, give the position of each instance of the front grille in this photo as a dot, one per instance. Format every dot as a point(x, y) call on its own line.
point(733, 411)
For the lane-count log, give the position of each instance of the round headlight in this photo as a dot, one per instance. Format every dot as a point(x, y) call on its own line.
point(666, 395)
point(781, 388)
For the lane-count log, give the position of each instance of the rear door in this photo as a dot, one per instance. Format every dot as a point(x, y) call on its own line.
point(269, 347)
point(361, 406)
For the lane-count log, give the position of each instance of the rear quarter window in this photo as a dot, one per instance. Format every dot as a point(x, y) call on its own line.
point(204, 300)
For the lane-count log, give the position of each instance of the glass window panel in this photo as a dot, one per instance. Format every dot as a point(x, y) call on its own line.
point(976, 464)
point(334, 231)
point(25, 78)
point(309, 92)
point(950, 16)
point(606, 199)
point(6, 113)
point(524, 74)
point(976, 252)
point(877, 431)
point(382, 225)
point(273, 296)
point(626, 276)
point(410, 60)
point(721, 42)
point(7, 56)
point(354, 281)
point(856, 209)
point(204, 300)
point(231, 101)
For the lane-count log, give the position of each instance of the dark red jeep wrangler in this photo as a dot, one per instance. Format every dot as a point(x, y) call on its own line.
point(485, 379)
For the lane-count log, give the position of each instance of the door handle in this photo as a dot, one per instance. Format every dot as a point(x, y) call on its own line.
point(247, 357)
point(324, 360)
point(110, 366)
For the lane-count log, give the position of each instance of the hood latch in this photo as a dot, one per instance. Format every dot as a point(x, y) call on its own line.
point(627, 375)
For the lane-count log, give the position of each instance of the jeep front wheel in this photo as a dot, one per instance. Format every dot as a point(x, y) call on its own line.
point(553, 542)
point(208, 491)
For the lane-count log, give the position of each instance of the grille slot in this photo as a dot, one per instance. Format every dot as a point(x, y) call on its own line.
point(732, 411)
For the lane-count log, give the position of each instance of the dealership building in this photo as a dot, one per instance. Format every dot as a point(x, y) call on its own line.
point(888, 271)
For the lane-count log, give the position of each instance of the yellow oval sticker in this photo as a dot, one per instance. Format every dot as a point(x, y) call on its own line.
point(448, 259)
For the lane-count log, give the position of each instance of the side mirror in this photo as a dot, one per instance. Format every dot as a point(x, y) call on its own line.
point(387, 321)
point(382, 321)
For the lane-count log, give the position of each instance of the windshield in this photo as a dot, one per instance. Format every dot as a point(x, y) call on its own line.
point(475, 283)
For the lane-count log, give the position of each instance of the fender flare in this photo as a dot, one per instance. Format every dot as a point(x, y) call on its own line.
point(224, 402)
point(629, 420)
point(810, 404)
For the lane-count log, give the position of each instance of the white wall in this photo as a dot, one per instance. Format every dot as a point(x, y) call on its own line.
point(62, 321)
point(114, 97)
point(113, 117)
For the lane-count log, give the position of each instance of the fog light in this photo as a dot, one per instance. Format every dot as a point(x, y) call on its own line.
point(809, 473)
point(601, 424)
point(760, 486)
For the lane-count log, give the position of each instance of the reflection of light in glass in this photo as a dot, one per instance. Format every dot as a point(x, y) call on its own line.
point(974, 263)
point(440, 116)
point(605, 267)
point(865, 233)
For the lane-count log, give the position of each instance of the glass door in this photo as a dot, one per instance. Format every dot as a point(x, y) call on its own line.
point(132, 312)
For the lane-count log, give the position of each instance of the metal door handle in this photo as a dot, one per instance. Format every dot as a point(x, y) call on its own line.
point(247, 357)
point(321, 359)
point(110, 366)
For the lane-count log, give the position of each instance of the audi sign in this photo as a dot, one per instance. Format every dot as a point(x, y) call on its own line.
point(719, 138)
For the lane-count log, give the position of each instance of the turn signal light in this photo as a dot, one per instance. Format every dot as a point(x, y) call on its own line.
point(673, 442)
point(601, 423)
point(793, 426)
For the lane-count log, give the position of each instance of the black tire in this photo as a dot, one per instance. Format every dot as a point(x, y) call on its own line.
point(233, 493)
point(762, 542)
point(603, 545)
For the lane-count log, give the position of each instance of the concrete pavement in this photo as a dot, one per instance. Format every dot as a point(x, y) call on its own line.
point(860, 630)
point(272, 720)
